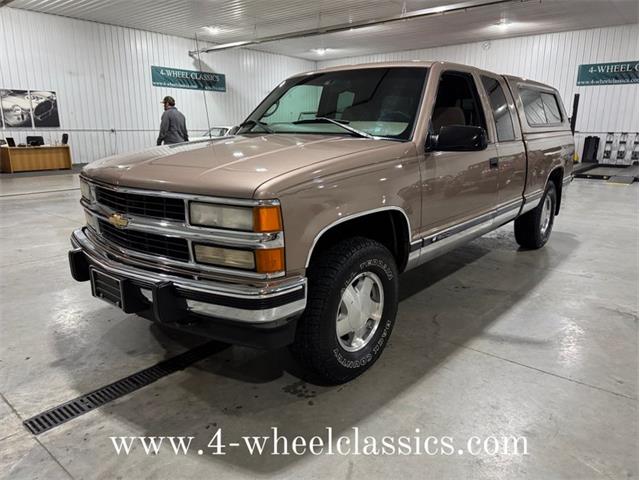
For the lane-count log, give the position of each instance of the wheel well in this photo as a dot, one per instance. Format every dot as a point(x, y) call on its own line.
point(389, 227)
point(556, 177)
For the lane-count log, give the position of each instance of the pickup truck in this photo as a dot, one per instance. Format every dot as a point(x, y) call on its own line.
point(294, 230)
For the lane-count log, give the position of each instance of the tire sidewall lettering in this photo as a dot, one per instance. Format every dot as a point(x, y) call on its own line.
point(376, 262)
point(378, 266)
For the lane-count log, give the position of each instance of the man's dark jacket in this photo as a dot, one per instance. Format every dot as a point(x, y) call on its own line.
point(173, 127)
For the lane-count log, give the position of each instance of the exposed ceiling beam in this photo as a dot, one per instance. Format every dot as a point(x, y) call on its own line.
point(425, 12)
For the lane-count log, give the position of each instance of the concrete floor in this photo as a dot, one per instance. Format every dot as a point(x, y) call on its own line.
point(489, 340)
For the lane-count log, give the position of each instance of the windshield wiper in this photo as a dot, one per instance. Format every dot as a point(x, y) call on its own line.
point(253, 123)
point(354, 131)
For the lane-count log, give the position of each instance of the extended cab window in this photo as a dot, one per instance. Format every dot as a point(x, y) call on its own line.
point(379, 102)
point(540, 108)
point(457, 102)
point(499, 106)
point(551, 109)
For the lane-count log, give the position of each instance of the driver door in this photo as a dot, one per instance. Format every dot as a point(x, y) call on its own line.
point(459, 187)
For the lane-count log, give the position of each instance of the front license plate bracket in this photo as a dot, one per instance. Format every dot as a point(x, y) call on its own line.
point(120, 292)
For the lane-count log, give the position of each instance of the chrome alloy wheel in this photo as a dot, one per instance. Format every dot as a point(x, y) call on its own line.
point(360, 311)
point(545, 215)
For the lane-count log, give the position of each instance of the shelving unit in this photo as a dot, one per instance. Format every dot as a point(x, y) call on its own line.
point(617, 162)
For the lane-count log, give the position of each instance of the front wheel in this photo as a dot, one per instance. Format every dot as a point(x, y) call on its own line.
point(351, 309)
point(534, 228)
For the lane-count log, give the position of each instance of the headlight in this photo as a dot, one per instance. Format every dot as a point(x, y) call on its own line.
point(85, 191)
point(221, 216)
point(256, 219)
point(266, 260)
point(224, 257)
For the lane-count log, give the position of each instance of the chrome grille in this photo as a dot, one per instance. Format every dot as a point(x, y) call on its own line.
point(152, 226)
point(143, 205)
point(144, 242)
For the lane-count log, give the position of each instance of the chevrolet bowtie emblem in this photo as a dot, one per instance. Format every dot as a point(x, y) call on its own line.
point(118, 220)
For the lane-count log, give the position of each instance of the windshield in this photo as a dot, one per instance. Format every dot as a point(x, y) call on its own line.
point(379, 102)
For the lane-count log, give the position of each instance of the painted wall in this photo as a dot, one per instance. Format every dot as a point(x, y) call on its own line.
point(553, 59)
point(102, 78)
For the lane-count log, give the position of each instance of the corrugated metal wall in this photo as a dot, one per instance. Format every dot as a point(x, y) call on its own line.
point(102, 77)
point(553, 59)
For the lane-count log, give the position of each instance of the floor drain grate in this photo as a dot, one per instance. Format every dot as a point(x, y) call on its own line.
point(85, 403)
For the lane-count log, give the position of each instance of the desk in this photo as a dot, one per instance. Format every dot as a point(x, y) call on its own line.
point(25, 159)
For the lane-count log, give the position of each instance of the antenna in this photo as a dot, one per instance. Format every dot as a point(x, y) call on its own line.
point(204, 95)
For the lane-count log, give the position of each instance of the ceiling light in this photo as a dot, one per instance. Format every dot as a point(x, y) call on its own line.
point(212, 30)
point(503, 24)
point(320, 51)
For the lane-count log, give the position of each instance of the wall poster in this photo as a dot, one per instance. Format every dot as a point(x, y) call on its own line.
point(29, 109)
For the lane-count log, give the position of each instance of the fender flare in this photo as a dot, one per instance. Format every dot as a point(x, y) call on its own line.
point(353, 216)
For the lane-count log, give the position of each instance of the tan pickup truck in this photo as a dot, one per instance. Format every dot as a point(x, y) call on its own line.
point(294, 230)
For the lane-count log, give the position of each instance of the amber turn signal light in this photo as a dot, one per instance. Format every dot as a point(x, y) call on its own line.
point(267, 219)
point(270, 260)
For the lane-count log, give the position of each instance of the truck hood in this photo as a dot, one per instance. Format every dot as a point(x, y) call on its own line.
point(229, 166)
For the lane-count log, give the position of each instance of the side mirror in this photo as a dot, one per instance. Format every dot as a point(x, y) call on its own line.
point(457, 138)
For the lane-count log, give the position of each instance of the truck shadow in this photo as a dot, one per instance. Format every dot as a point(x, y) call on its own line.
point(444, 305)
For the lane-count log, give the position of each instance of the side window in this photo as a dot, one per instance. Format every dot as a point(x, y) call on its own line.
point(551, 109)
point(533, 107)
point(540, 108)
point(457, 102)
point(500, 108)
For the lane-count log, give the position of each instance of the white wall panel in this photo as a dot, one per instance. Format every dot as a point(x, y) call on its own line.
point(102, 76)
point(553, 59)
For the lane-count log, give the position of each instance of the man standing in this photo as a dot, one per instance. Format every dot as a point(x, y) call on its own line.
point(173, 126)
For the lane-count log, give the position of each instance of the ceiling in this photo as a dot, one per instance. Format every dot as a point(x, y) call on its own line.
point(237, 20)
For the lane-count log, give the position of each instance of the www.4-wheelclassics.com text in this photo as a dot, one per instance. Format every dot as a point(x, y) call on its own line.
point(353, 443)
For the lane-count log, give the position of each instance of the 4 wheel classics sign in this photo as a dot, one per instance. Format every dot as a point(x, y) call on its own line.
point(191, 79)
point(616, 73)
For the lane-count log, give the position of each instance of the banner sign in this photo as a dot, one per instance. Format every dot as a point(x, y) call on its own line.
point(616, 73)
point(191, 79)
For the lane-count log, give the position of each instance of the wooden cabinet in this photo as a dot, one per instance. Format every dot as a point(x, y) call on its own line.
point(26, 159)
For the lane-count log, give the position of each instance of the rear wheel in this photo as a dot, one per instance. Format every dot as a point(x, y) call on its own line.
point(351, 309)
point(534, 228)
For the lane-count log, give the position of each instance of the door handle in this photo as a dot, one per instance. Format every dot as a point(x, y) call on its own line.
point(493, 162)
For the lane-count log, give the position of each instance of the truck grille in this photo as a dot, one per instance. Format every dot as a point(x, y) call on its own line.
point(149, 243)
point(143, 205)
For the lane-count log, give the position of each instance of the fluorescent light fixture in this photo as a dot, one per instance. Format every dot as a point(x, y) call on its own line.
point(459, 6)
point(213, 30)
point(229, 45)
point(367, 28)
point(320, 51)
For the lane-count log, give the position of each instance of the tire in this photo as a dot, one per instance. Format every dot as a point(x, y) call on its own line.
point(354, 269)
point(533, 229)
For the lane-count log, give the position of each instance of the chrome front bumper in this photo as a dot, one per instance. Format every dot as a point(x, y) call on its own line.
point(238, 303)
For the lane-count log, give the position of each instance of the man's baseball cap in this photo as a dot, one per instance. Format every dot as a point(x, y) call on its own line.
point(168, 100)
